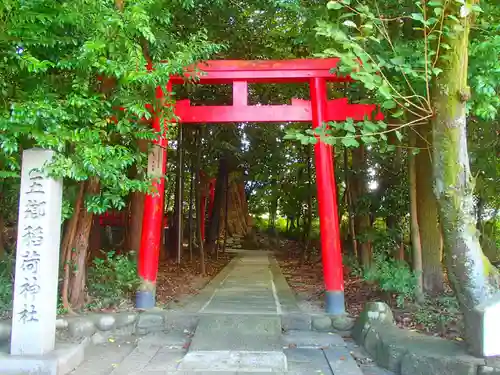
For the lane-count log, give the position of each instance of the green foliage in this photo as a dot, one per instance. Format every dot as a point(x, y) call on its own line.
point(490, 240)
point(64, 82)
point(392, 276)
point(437, 313)
point(352, 264)
point(113, 279)
point(6, 284)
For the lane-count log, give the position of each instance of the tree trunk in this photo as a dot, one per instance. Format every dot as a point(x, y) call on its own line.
point(362, 220)
point(237, 214)
point(218, 205)
point(273, 208)
point(199, 210)
point(414, 227)
point(190, 219)
point(427, 215)
point(179, 222)
point(76, 246)
point(309, 218)
point(226, 214)
point(472, 276)
point(350, 204)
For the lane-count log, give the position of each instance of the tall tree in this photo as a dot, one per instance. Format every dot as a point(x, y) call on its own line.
point(472, 276)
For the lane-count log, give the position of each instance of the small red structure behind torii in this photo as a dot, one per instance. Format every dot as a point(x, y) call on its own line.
point(316, 72)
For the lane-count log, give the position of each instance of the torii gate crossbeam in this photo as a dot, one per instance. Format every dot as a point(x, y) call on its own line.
point(316, 72)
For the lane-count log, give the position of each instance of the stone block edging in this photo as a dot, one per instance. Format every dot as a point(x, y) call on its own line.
point(409, 353)
point(143, 322)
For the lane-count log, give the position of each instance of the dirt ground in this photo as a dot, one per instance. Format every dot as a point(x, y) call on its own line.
point(176, 282)
point(438, 317)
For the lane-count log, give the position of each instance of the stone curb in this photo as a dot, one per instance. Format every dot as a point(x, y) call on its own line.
point(143, 322)
point(409, 353)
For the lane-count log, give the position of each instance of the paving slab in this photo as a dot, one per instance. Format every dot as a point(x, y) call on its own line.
point(237, 361)
point(237, 332)
point(136, 361)
point(307, 361)
point(102, 359)
point(170, 340)
point(341, 362)
point(165, 359)
point(312, 339)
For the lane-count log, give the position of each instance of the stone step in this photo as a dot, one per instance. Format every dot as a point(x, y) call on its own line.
point(234, 361)
point(241, 343)
point(237, 332)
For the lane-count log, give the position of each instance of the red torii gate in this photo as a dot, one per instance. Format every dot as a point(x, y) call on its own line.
point(316, 72)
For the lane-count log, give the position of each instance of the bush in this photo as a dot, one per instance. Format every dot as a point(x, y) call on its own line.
point(392, 276)
point(112, 280)
point(438, 313)
point(6, 285)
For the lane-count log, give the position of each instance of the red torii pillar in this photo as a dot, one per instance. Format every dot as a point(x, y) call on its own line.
point(316, 72)
point(153, 217)
point(331, 251)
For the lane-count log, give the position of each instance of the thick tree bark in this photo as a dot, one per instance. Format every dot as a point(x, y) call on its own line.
point(427, 215)
point(472, 276)
point(226, 214)
point(215, 219)
point(76, 246)
point(414, 227)
point(67, 246)
point(237, 214)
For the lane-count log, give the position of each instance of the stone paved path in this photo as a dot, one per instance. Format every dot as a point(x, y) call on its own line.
point(239, 331)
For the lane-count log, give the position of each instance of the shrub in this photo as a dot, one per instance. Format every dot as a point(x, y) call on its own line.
point(393, 276)
point(112, 279)
point(6, 284)
point(438, 313)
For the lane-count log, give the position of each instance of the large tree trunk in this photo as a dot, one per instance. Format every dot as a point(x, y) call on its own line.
point(237, 210)
point(76, 246)
point(214, 225)
point(414, 226)
point(427, 215)
point(472, 276)
point(226, 215)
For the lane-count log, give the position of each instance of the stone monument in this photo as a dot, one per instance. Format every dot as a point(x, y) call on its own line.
point(486, 342)
point(33, 348)
point(37, 258)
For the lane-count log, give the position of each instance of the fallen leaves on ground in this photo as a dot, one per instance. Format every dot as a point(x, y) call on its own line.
point(306, 280)
point(177, 281)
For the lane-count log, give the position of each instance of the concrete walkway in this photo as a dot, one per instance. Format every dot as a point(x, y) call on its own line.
point(252, 283)
point(239, 331)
